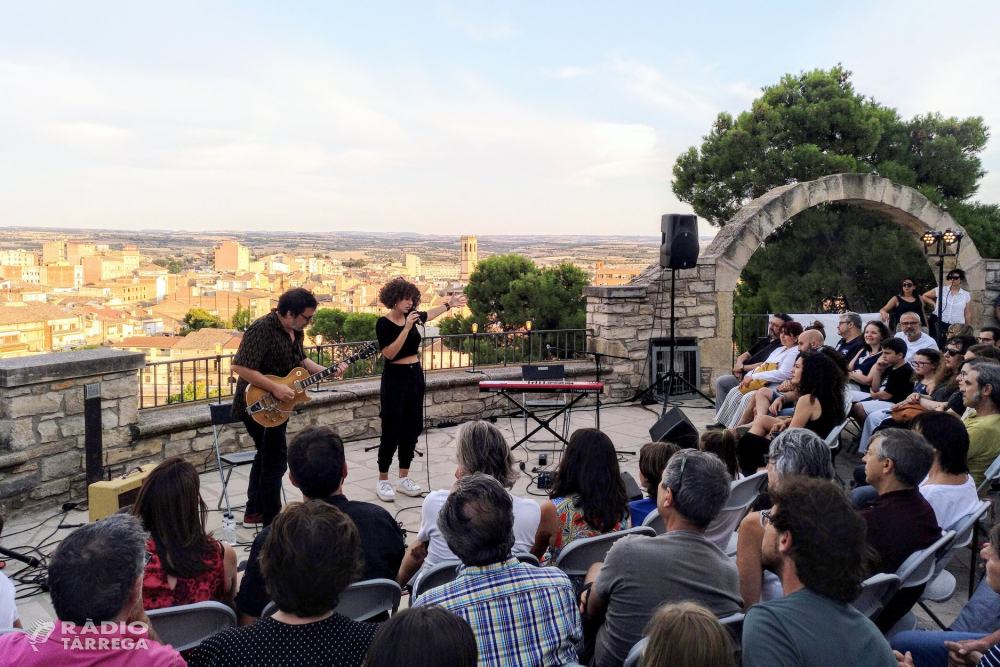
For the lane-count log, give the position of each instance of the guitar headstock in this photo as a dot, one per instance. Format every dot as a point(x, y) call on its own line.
point(367, 351)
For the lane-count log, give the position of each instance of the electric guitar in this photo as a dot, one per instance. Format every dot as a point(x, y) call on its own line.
point(268, 411)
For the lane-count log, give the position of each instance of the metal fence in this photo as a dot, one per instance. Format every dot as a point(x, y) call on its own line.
point(748, 330)
point(203, 378)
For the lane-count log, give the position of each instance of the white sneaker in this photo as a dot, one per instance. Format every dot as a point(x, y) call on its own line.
point(409, 487)
point(384, 491)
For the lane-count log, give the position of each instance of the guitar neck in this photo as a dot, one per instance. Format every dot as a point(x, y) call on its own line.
point(327, 372)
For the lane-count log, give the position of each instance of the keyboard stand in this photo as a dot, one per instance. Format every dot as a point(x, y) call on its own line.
point(542, 424)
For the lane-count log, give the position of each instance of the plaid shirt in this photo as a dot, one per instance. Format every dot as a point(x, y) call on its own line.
point(522, 615)
point(267, 348)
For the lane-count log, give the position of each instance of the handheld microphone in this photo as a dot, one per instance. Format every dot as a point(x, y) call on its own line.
point(7, 553)
point(423, 316)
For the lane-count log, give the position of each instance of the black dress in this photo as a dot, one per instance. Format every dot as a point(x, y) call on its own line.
point(903, 307)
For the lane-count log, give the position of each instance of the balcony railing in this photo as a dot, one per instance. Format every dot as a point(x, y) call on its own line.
point(204, 378)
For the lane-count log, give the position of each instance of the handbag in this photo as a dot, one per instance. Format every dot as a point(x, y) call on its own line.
point(904, 413)
point(757, 384)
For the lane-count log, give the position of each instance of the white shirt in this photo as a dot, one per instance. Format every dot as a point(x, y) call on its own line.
point(953, 308)
point(921, 343)
point(951, 502)
point(8, 608)
point(785, 358)
point(527, 515)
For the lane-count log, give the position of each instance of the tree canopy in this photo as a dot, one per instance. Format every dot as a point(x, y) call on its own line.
point(336, 326)
point(815, 124)
point(242, 318)
point(199, 318)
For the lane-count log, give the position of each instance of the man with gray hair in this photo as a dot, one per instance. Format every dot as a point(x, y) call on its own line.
point(980, 387)
point(541, 624)
point(95, 580)
point(914, 338)
point(641, 573)
point(900, 520)
point(849, 327)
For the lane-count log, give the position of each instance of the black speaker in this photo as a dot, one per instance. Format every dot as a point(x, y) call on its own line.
point(679, 245)
point(632, 488)
point(675, 427)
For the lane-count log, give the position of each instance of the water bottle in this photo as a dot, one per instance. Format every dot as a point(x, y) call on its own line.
point(229, 529)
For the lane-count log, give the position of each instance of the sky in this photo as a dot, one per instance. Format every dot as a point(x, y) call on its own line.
point(430, 117)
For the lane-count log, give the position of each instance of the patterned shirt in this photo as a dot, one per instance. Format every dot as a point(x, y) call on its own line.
point(572, 525)
point(267, 348)
point(209, 585)
point(522, 615)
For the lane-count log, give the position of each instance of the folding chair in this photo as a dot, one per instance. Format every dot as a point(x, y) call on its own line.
point(942, 586)
point(916, 570)
point(992, 475)
point(436, 575)
point(832, 441)
point(655, 521)
point(528, 558)
point(7, 631)
point(742, 494)
point(222, 415)
point(875, 592)
point(577, 556)
point(366, 599)
point(188, 625)
point(734, 624)
point(546, 372)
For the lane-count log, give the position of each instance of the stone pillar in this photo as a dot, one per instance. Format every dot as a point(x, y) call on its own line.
point(620, 320)
point(42, 425)
point(990, 293)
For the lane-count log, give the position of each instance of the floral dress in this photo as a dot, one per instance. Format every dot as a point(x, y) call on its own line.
point(209, 585)
point(572, 525)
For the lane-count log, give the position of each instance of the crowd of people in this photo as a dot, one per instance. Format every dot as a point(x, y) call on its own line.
point(931, 427)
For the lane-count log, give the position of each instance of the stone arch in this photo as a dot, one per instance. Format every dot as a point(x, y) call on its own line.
point(623, 319)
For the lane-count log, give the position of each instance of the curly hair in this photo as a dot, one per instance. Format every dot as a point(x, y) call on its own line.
point(396, 290)
point(883, 331)
point(821, 380)
point(828, 549)
point(589, 469)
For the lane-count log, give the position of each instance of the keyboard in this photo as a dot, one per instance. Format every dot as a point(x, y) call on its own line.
point(542, 386)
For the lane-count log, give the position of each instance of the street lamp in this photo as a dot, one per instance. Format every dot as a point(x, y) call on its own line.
point(319, 349)
point(475, 331)
point(936, 244)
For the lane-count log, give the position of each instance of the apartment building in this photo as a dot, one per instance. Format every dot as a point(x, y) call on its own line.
point(34, 327)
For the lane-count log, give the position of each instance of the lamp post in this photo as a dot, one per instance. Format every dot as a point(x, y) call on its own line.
point(527, 326)
point(475, 331)
point(218, 371)
point(319, 349)
point(940, 242)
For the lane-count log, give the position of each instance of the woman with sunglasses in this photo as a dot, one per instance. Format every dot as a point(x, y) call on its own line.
point(908, 301)
point(957, 304)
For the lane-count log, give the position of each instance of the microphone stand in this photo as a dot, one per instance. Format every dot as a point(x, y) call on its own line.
point(597, 359)
point(7, 553)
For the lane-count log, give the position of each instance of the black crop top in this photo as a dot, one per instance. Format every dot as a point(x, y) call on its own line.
point(387, 332)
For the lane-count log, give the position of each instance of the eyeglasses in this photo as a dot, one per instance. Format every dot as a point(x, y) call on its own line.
point(680, 478)
point(952, 353)
point(907, 284)
point(910, 324)
point(765, 518)
point(954, 277)
point(308, 318)
point(984, 340)
point(920, 363)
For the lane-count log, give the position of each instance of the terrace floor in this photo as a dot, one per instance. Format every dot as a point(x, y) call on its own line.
point(628, 426)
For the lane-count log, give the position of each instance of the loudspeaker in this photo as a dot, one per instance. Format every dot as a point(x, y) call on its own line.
point(631, 488)
point(679, 244)
point(675, 427)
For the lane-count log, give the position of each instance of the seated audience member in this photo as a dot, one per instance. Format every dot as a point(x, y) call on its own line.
point(774, 371)
point(945, 395)
point(653, 459)
point(980, 389)
point(788, 390)
point(8, 607)
point(958, 330)
point(983, 351)
point(723, 445)
point(819, 408)
point(849, 328)
point(687, 635)
point(640, 573)
point(948, 486)
point(521, 614)
point(95, 577)
point(957, 646)
point(749, 360)
point(925, 369)
point(795, 452)
point(914, 338)
point(481, 448)
point(989, 336)
point(814, 540)
point(187, 565)
point(861, 367)
point(423, 637)
point(587, 498)
point(317, 467)
point(311, 554)
point(892, 381)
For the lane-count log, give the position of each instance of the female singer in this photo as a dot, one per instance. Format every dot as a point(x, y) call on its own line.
point(402, 394)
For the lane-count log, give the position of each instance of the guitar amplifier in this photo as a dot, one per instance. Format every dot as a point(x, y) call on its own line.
point(106, 498)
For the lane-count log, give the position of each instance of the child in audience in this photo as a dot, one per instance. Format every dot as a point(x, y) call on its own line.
point(423, 637)
point(653, 459)
point(723, 445)
point(687, 635)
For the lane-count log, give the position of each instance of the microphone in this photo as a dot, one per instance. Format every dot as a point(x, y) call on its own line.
point(33, 562)
point(423, 316)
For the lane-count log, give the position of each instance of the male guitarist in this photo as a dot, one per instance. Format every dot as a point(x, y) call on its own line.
point(272, 345)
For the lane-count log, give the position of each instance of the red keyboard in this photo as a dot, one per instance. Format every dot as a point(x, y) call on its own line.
point(542, 386)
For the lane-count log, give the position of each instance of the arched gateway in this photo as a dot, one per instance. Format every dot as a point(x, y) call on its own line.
point(622, 318)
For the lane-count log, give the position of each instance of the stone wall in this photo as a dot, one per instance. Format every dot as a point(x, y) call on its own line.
point(41, 419)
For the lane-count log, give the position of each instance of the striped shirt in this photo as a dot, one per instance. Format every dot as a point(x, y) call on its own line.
point(522, 615)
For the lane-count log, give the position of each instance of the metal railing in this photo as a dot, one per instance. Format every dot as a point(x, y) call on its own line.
point(203, 378)
point(748, 330)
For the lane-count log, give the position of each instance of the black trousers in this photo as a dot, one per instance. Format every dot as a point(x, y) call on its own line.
point(402, 407)
point(751, 452)
point(269, 465)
